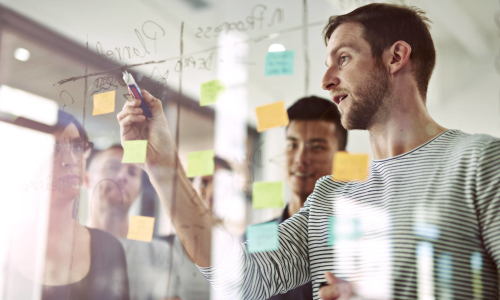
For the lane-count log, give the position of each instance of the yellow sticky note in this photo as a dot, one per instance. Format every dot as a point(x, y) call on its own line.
point(210, 92)
point(350, 166)
point(134, 151)
point(271, 115)
point(267, 194)
point(104, 103)
point(141, 228)
point(200, 163)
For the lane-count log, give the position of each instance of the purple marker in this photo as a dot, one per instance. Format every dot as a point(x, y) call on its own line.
point(136, 92)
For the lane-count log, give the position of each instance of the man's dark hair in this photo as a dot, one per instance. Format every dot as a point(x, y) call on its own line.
point(314, 108)
point(384, 24)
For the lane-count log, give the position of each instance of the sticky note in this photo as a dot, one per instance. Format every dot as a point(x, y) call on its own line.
point(134, 151)
point(104, 103)
point(263, 237)
point(200, 163)
point(141, 228)
point(343, 229)
point(210, 92)
point(279, 63)
point(267, 194)
point(271, 115)
point(350, 166)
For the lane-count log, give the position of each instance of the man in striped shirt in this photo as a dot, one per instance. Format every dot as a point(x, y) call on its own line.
point(429, 213)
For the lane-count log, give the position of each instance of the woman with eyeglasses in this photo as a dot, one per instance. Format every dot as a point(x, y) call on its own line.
point(80, 262)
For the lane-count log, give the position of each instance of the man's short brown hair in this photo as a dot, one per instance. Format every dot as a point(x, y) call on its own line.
point(384, 24)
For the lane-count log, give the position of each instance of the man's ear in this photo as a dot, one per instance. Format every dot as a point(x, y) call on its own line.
point(400, 55)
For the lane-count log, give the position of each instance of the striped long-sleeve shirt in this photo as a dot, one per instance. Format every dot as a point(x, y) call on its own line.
point(425, 225)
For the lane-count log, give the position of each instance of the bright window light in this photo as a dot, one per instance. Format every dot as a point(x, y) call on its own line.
point(22, 54)
point(30, 106)
point(276, 48)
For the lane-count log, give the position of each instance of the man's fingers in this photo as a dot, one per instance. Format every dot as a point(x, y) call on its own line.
point(329, 292)
point(131, 119)
point(129, 108)
point(151, 101)
point(330, 278)
point(154, 104)
point(132, 102)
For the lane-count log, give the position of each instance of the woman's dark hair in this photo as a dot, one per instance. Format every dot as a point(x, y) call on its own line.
point(314, 108)
point(384, 24)
point(64, 119)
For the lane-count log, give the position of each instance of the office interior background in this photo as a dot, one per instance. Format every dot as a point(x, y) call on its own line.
point(47, 48)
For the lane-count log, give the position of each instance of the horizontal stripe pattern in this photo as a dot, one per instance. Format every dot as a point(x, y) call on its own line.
point(430, 222)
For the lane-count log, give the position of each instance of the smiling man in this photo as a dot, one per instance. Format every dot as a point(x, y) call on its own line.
point(428, 214)
point(313, 136)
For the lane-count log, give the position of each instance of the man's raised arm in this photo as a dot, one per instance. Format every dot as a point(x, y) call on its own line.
point(192, 221)
point(251, 276)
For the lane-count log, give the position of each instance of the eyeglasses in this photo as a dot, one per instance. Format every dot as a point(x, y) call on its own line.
point(79, 149)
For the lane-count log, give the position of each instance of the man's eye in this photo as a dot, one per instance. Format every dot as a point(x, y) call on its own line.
point(291, 146)
point(315, 147)
point(76, 148)
point(343, 59)
point(115, 168)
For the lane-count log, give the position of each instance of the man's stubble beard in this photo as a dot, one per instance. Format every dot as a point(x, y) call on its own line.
point(370, 95)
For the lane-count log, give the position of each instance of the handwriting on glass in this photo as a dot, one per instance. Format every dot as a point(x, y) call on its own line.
point(151, 30)
point(256, 19)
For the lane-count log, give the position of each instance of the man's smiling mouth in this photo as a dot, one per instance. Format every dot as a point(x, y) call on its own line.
point(300, 174)
point(339, 98)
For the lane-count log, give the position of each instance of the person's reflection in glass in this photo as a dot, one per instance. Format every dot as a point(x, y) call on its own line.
point(80, 263)
point(112, 189)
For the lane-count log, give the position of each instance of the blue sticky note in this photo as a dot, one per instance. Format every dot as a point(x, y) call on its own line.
point(279, 63)
point(343, 229)
point(263, 237)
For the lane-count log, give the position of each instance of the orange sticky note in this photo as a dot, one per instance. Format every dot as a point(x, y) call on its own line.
point(141, 228)
point(350, 166)
point(104, 103)
point(271, 115)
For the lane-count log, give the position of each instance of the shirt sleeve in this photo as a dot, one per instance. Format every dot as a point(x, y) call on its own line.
point(488, 198)
point(261, 275)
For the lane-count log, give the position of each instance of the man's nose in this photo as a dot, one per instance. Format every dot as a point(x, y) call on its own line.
point(330, 79)
point(301, 156)
point(121, 177)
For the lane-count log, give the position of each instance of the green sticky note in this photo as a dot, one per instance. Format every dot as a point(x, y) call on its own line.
point(279, 63)
point(343, 229)
point(210, 92)
point(200, 163)
point(134, 151)
point(263, 237)
point(267, 194)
